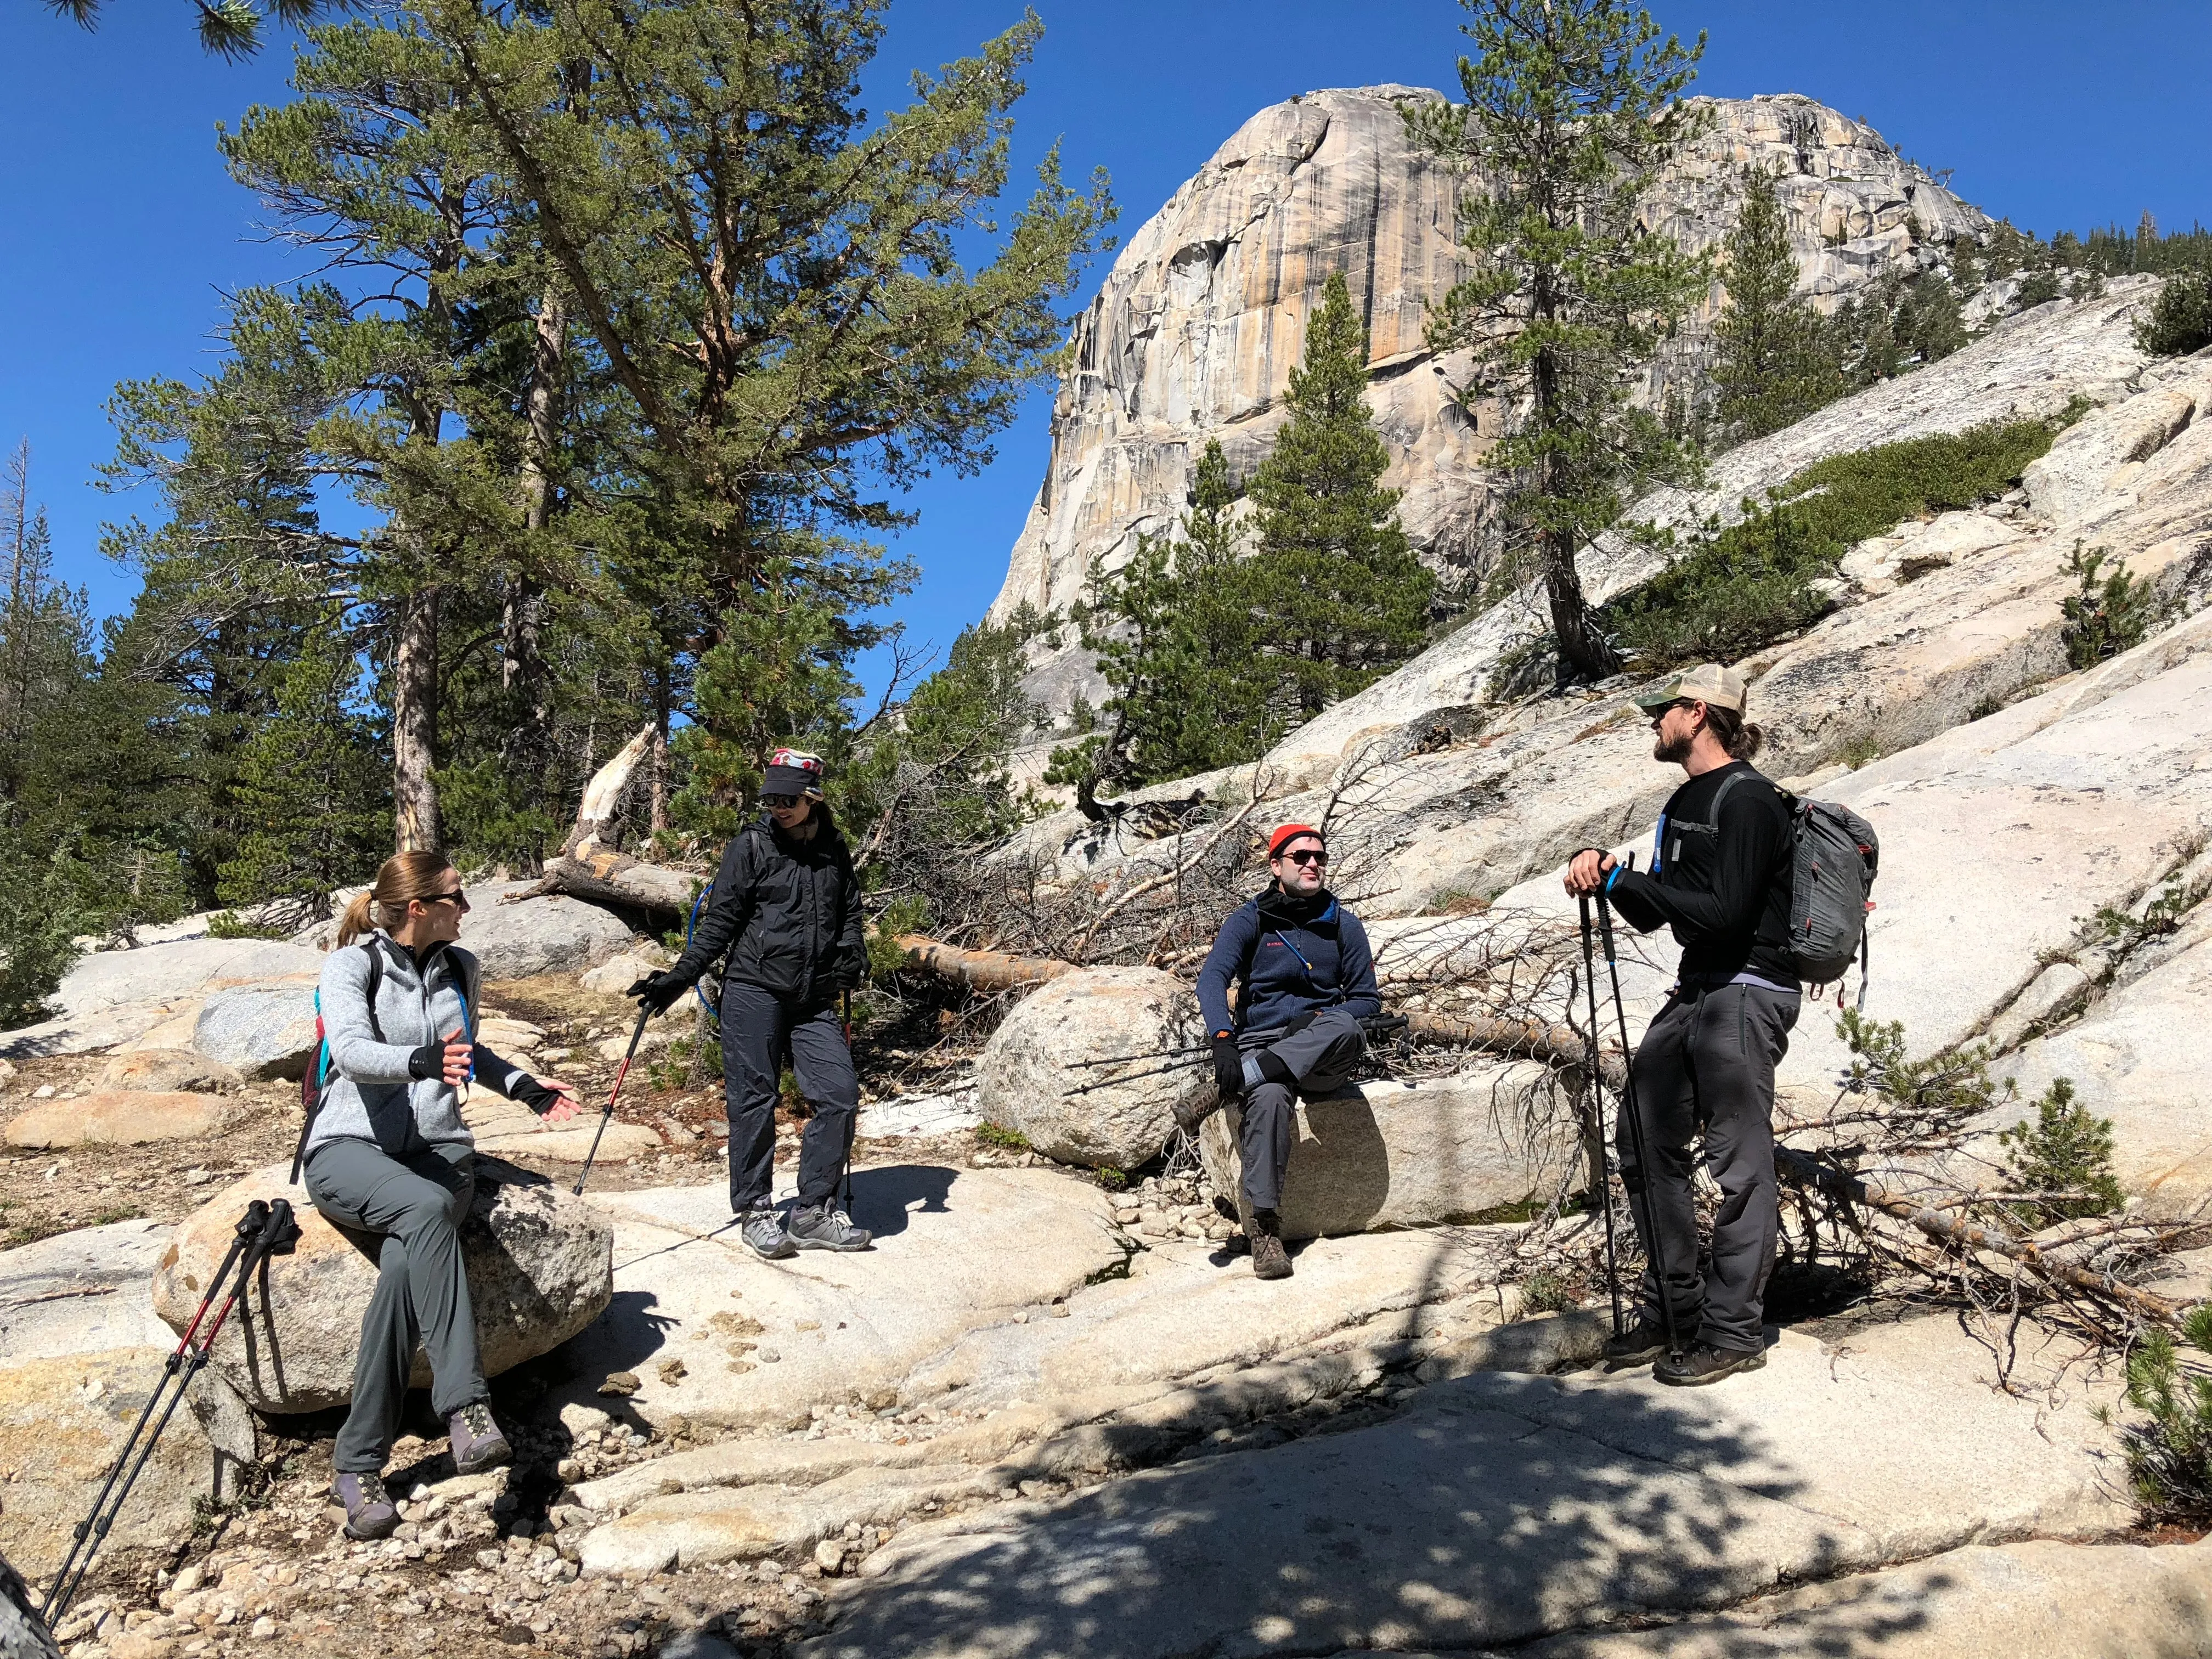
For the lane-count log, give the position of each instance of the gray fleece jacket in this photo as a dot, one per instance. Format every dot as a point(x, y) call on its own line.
point(368, 1094)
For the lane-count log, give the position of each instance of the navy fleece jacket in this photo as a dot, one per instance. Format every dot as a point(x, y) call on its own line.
point(1293, 956)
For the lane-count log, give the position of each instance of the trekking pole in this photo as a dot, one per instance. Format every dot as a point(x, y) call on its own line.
point(276, 1233)
point(1155, 1054)
point(852, 1122)
point(250, 1223)
point(644, 1013)
point(1593, 1111)
point(1636, 1133)
point(1183, 1065)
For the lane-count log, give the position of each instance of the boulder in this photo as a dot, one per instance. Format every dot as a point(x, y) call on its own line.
point(160, 1070)
point(119, 1117)
point(618, 973)
point(540, 1268)
point(547, 935)
point(62, 1418)
point(260, 1030)
point(82, 1292)
point(159, 974)
point(2075, 479)
point(1393, 1154)
point(1034, 1060)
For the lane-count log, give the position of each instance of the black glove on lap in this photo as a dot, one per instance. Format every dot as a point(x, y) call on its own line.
point(659, 992)
point(428, 1061)
point(1228, 1067)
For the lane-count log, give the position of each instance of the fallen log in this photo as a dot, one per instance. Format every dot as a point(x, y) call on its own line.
point(1973, 1235)
point(587, 869)
point(993, 971)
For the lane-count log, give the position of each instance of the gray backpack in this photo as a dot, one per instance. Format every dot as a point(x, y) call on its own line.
point(1832, 871)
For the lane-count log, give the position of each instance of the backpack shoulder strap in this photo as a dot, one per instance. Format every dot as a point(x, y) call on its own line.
point(375, 984)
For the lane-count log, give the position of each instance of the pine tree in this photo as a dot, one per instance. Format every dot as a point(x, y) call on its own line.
point(312, 790)
point(1773, 364)
point(1572, 108)
point(1336, 593)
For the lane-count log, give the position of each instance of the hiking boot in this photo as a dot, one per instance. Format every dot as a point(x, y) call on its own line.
point(763, 1231)
point(1269, 1258)
point(478, 1443)
point(1189, 1114)
point(1639, 1345)
point(1706, 1363)
point(819, 1227)
point(369, 1511)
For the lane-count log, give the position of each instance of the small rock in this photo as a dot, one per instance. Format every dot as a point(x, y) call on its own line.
point(766, 1356)
point(830, 1556)
point(671, 1371)
point(622, 1384)
point(263, 1628)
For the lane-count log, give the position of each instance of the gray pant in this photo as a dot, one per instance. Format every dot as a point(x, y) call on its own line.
point(759, 1028)
point(416, 1201)
point(1319, 1060)
point(1708, 1063)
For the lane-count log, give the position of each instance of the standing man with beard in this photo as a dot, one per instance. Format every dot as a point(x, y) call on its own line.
point(1308, 979)
point(1720, 875)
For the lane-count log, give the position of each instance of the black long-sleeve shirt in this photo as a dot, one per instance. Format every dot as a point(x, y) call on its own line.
point(1724, 886)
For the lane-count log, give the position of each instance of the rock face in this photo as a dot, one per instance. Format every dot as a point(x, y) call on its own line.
point(119, 996)
point(1501, 1508)
point(167, 1069)
point(259, 1031)
point(117, 1117)
point(1037, 1057)
point(1203, 316)
point(549, 935)
point(1391, 1154)
point(540, 1268)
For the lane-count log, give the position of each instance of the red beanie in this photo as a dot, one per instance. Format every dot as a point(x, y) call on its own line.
point(1291, 832)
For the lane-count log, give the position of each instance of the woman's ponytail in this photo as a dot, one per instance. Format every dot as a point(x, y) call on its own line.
point(402, 876)
point(358, 918)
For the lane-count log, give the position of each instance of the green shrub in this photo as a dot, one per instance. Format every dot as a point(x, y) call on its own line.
point(906, 913)
point(2110, 609)
point(2169, 1458)
point(2065, 1151)
point(1012, 1140)
point(1545, 1292)
point(41, 913)
point(229, 924)
point(2181, 319)
point(1113, 1180)
point(1951, 1084)
point(1732, 590)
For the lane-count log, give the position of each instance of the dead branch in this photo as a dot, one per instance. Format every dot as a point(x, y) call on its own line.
point(1971, 1236)
point(987, 971)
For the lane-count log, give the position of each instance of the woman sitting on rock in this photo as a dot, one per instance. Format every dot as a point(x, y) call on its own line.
point(388, 1155)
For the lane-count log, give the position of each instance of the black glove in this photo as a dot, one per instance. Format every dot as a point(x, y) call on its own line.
point(534, 1095)
point(659, 992)
point(852, 974)
point(1228, 1067)
point(428, 1061)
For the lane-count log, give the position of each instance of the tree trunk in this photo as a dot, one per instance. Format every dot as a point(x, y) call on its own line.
point(1583, 655)
point(414, 723)
point(529, 743)
point(658, 819)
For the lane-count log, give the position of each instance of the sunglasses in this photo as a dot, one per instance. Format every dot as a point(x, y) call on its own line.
point(1665, 708)
point(778, 801)
point(1305, 855)
point(454, 897)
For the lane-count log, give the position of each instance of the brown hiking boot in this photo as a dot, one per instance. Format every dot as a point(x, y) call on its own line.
point(1269, 1258)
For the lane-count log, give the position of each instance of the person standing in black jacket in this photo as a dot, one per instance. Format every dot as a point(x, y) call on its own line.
point(1720, 875)
point(787, 912)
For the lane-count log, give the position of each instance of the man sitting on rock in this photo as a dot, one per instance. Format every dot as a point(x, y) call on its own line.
point(1306, 979)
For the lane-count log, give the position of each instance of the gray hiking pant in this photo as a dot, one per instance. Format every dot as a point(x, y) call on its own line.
point(416, 1202)
point(1707, 1064)
point(1320, 1060)
point(759, 1028)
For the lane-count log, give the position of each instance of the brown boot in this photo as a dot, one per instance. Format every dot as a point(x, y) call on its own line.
point(1269, 1258)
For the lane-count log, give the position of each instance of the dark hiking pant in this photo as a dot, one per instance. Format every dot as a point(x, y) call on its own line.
point(416, 1202)
point(759, 1029)
point(1321, 1059)
point(1707, 1064)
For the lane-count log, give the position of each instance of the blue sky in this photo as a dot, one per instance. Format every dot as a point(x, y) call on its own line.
point(123, 231)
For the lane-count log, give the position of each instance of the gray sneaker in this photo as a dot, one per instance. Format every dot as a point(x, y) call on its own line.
point(478, 1443)
point(763, 1231)
point(819, 1227)
point(369, 1511)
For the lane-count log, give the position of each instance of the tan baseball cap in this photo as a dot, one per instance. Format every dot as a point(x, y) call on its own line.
point(1712, 683)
